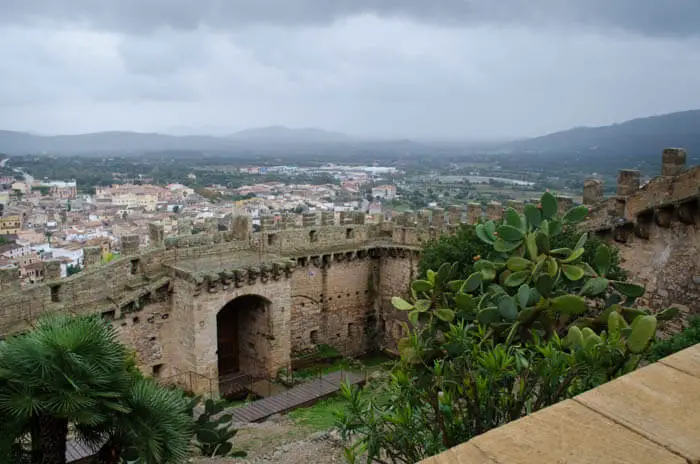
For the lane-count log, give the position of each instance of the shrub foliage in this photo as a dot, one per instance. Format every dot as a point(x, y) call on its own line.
point(532, 323)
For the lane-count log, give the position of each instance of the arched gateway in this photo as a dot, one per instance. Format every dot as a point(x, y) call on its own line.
point(243, 328)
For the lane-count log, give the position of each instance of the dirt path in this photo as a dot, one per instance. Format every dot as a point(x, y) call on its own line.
point(281, 440)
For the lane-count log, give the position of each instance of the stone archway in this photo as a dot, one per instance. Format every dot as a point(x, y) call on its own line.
point(243, 340)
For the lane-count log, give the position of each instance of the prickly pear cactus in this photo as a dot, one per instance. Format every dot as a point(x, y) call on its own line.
point(525, 287)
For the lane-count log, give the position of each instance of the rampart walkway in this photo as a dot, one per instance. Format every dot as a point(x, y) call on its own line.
point(650, 416)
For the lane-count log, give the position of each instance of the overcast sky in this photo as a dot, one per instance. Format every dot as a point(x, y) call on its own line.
point(397, 68)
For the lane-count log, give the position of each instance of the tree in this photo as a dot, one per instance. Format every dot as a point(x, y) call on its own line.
point(157, 429)
point(48, 234)
point(73, 269)
point(65, 370)
point(529, 326)
point(73, 371)
point(176, 209)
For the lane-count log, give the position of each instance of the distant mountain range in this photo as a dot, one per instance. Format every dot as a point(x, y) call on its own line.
point(100, 142)
point(285, 134)
point(636, 138)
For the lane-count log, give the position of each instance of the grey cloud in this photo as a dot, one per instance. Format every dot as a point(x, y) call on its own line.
point(407, 68)
point(644, 17)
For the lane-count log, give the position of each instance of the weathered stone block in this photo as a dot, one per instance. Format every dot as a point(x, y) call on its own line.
point(267, 222)
point(592, 191)
point(9, 278)
point(564, 204)
point(454, 214)
point(129, 245)
point(474, 212)
point(156, 234)
point(240, 227)
point(92, 256)
point(309, 219)
point(437, 217)
point(423, 218)
point(184, 226)
point(672, 161)
point(327, 218)
point(517, 205)
point(407, 219)
point(628, 181)
point(52, 270)
point(494, 210)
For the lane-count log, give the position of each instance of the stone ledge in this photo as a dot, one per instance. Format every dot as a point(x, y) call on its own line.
point(687, 361)
point(653, 402)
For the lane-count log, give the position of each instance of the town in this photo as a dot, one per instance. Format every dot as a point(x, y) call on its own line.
point(53, 220)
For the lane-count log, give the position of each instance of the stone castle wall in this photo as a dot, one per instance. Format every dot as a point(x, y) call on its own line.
point(655, 226)
point(323, 284)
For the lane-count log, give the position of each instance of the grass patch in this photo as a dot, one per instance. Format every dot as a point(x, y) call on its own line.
point(320, 416)
point(368, 362)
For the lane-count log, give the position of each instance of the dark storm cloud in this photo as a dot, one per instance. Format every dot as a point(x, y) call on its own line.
point(397, 68)
point(644, 17)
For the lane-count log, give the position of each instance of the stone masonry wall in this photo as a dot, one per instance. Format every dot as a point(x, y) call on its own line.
point(394, 280)
point(668, 263)
point(655, 226)
point(327, 284)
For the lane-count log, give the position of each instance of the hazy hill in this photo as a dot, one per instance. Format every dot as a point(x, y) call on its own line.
point(635, 138)
point(639, 140)
point(285, 134)
point(120, 142)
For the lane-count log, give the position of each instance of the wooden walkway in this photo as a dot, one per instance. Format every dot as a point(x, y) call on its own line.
point(301, 395)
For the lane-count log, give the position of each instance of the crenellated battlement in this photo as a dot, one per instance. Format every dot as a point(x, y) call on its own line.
point(671, 197)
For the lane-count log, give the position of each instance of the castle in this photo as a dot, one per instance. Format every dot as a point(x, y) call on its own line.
point(214, 305)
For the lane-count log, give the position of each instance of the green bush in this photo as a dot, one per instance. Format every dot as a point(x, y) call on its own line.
point(688, 337)
point(460, 248)
point(530, 325)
